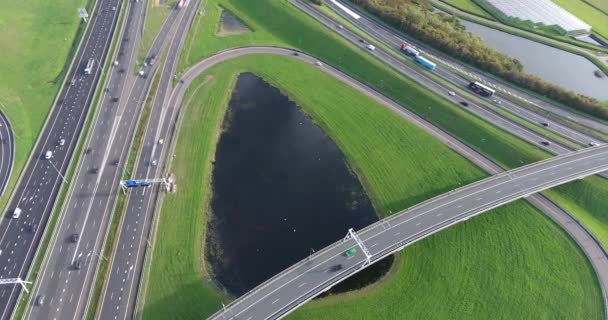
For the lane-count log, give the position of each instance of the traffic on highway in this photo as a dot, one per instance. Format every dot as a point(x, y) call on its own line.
point(78, 232)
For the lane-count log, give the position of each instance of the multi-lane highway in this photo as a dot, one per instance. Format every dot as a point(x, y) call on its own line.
point(312, 276)
point(70, 267)
point(36, 192)
point(7, 152)
point(120, 293)
point(393, 39)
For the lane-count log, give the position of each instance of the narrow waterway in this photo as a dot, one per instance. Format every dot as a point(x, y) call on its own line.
point(565, 69)
point(281, 187)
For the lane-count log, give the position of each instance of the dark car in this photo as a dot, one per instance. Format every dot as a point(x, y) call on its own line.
point(296, 54)
point(88, 150)
point(94, 170)
point(464, 103)
point(335, 268)
point(546, 124)
point(545, 143)
point(40, 300)
point(74, 238)
point(77, 264)
point(33, 227)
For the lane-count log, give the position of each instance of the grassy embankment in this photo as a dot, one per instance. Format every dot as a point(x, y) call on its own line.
point(36, 41)
point(181, 242)
point(400, 165)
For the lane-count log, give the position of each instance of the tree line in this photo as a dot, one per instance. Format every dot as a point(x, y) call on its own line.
point(447, 34)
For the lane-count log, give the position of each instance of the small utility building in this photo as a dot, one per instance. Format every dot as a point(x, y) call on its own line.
point(539, 12)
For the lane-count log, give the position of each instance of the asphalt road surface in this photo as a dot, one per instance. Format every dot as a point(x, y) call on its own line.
point(7, 152)
point(93, 191)
point(391, 38)
point(585, 240)
point(35, 193)
point(298, 284)
point(120, 294)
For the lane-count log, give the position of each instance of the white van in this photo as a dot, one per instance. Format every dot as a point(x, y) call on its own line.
point(48, 154)
point(16, 213)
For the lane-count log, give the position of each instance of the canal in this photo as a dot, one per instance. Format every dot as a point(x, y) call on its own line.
point(281, 188)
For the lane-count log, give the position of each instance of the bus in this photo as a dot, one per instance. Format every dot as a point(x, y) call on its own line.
point(90, 66)
point(481, 89)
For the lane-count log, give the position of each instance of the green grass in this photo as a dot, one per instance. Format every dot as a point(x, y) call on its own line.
point(600, 4)
point(514, 247)
point(179, 287)
point(588, 199)
point(469, 6)
point(597, 19)
point(36, 38)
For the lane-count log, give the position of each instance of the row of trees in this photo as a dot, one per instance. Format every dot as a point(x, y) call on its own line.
point(447, 34)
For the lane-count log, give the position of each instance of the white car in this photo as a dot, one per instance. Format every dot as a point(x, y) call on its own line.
point(370, 47)
point(161, 141)
point(61, 142)
point(48, 154)
point(593, 144)
point(141, 72)
point(318, 63)
point(340, 26)
point(16, 213)
point(452, 93)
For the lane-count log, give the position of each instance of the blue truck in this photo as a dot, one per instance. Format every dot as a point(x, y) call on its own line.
point(425, 63)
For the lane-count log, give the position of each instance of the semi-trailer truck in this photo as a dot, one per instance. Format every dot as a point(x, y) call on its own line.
point(425, 63)
point(409, 50)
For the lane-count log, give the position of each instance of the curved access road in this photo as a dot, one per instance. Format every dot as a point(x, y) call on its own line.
point(7, 152)
point(286, 291)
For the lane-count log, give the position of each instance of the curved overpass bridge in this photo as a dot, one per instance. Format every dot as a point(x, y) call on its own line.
point(303, 281)
point(311, 277)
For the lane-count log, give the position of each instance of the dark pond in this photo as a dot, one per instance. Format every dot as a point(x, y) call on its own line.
point(230, 24)
point(280, 188)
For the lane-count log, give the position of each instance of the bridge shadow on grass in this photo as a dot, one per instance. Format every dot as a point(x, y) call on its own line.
point(195, 299)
